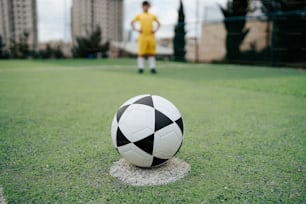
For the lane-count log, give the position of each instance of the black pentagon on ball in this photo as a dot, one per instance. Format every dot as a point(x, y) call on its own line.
point(157, 161)
point(121, 139)
point(121, 111)
point(180, 123)
point(146, 144)
point(161, 120)
point(147, 100)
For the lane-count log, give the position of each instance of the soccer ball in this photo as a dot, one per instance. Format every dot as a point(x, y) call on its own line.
point(147, 130)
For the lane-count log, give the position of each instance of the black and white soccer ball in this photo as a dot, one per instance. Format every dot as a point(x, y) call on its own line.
point(147, 130)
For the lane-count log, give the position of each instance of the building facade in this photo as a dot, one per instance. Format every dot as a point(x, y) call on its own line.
point(87, 15)
point(212, 45)
point(16, 18)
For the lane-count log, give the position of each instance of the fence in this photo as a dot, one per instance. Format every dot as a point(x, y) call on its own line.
point(278, 38)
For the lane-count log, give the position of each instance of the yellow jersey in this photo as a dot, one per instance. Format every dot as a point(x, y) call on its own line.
point(146, 20)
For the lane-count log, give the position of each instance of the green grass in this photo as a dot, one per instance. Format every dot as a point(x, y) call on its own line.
point(245, 135)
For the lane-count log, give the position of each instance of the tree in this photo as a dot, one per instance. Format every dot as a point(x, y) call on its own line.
point(234, 22)
point(24, 48)
point(47, 53)
point(50, 52)
point(3, 52)
point(90, 46)
point(288, 40)
point(58, 53)
point(20, 49)
point(179, 41)
point(14, 48)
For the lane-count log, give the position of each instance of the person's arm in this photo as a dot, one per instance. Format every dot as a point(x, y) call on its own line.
point(158, 24)
point(133, 24)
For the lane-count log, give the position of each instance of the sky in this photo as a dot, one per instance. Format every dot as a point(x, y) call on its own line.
point(54, 16)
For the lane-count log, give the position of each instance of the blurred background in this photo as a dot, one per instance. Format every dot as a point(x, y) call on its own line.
point(213, 31)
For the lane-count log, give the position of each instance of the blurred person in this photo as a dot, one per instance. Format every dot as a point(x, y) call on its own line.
point(146, 40)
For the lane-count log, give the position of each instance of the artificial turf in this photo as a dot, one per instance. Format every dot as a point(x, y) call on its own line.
point(245, 131)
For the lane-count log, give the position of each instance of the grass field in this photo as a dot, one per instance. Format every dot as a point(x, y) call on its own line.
point(245, 135)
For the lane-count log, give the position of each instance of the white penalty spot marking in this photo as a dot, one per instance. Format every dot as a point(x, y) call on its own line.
point(2, 200)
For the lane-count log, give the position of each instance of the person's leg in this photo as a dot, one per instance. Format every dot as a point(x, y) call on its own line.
point(152, 51)
point(152, 64)
point(140, 62)
point(141, 51)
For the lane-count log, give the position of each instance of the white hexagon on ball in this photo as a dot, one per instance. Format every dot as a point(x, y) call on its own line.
point(147, 130)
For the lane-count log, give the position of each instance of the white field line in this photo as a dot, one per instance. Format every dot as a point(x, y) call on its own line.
point(96, 67)
point(2, 200)
point(43, 69)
